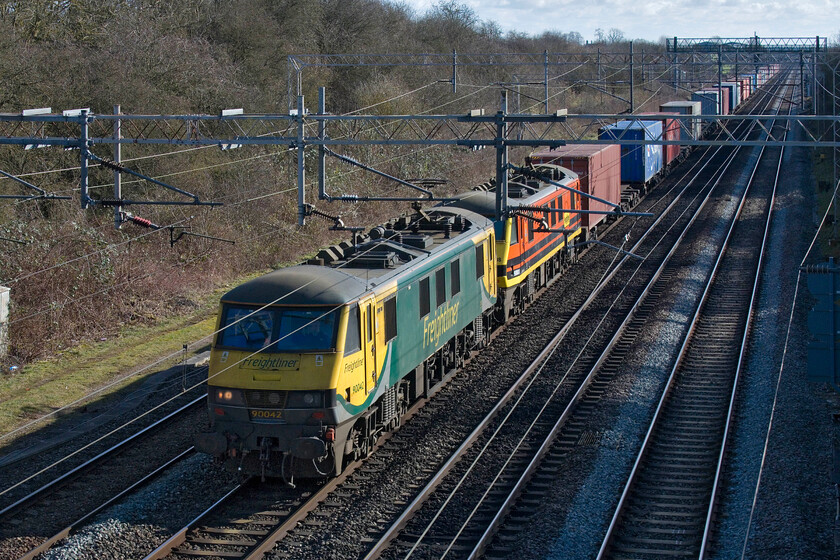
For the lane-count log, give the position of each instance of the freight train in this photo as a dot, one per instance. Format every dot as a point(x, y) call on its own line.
point(311, 363)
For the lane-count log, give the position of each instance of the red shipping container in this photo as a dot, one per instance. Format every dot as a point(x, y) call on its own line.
point(670, 131)
point(746, 89)
point(599, 169)
point(725, 105)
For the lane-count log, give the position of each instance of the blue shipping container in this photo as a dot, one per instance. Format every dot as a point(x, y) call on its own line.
point(708, 101)
point(638, 162)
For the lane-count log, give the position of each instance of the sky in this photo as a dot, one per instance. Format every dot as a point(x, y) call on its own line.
point(652, 19)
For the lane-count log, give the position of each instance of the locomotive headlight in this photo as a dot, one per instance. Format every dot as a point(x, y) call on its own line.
point(227, 396)
point(305, 399)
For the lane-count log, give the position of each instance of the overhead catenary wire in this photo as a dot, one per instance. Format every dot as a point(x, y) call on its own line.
point(266, 155)
point(537, 417)
point(51, 307)
point(115, 245)
point(261, 155)
point(288, 150)
point(522, 394)
point(400, 96)
point(177, 352)
point(223, 163)
point(212, 166)
point(162, 360)
point(86, 255)
point(255, 198)
point(195, 148)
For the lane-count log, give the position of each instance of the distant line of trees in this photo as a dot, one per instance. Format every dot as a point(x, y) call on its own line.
point(156, 55)
point(199, 56)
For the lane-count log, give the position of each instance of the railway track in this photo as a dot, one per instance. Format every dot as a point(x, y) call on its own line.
point(469, 536)
point(58, 507)
point(235, 528)
point(668, 506)
point(258, 514)
point(297, 517)
point(250, 519)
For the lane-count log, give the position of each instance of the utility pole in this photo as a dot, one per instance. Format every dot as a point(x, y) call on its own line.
point(322, 151)
point(83, 163)
point(4, 322)
point(632, 102)
point(454, 71)
point(300, 161)
point(801, 80)
point(117, 160)
point(545, 80)
point(720, 80)
point(501, 159)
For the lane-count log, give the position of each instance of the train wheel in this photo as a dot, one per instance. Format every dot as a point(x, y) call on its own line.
point(360, 443)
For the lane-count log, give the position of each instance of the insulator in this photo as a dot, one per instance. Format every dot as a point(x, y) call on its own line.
point(141, 221)
point(110, 202)
point(111, 164)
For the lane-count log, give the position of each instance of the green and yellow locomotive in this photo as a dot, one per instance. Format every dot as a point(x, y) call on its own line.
point(312, 362)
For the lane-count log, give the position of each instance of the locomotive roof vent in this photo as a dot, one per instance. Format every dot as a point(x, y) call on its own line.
point(521, 190)
point(554, 172)
point(419, 240)
point(330, 254)
point(376, 259)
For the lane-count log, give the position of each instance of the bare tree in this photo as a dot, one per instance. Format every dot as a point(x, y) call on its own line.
point(574, 37)
point(615, 35)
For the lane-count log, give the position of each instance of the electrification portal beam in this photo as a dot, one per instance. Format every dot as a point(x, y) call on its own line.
point(301, 130)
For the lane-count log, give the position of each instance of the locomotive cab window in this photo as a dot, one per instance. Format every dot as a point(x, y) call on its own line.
point(246, 328)
point(425, 304)
point(279, 329)
point(352, 340)
point(307, 330)
point(440, 286)
point(390, 318)
point(455, 276)
point(479, 261)
point(369, 325)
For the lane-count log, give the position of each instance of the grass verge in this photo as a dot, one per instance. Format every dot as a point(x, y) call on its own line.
point(49, 385)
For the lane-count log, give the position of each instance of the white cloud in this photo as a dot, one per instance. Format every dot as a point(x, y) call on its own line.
point(655, 18)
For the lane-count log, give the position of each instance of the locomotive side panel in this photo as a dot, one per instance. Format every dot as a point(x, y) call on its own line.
point(439, 301)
